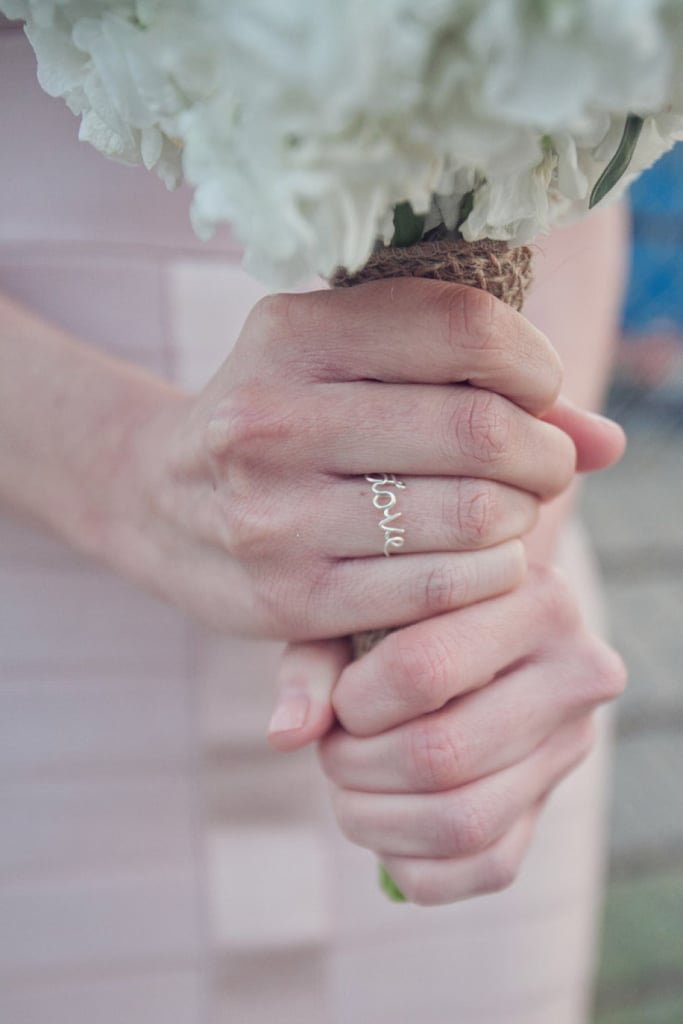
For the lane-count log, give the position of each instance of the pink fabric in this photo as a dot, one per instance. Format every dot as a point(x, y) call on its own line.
point(158, 863)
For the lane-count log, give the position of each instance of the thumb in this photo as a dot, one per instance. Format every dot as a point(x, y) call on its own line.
point(303, 702)
point(599, 442)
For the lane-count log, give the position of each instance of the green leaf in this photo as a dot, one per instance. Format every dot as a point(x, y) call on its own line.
point(618, 165)
point(388, 885)
point(408, 226)
point(466, 207)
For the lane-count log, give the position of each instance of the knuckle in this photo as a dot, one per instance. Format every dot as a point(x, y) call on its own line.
point(287, 330)
point(479, 425)
point(500, 871)
point(476, 513)
point(271, 318)
point(419, 670)
point(247, 424)
point(495, 335)
point(442, 590)
point(467, 829)
point(532, 349)
point(472, 315)
point(433, 756)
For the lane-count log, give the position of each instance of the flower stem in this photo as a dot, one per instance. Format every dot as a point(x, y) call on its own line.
point(388, 885)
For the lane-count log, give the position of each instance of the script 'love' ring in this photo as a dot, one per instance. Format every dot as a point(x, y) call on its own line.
point(384, 487)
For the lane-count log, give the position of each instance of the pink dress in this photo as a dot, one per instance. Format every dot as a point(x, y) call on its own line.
point(158, 863)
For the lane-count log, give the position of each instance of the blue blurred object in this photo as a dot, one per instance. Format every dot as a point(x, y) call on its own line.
point(654, 299)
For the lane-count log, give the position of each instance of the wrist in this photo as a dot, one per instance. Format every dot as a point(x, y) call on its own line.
point(127, 528)
point(71, 419)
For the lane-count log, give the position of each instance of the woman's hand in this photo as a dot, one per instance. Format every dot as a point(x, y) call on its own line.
point(453, 731)
point(253, 511)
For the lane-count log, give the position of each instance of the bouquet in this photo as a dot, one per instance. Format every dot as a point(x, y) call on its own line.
point(312, 126)
point(356, 139)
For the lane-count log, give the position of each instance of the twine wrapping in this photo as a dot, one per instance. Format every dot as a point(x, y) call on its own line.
point(492, 266)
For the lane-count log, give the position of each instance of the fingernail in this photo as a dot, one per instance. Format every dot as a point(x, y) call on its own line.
point(291, 712)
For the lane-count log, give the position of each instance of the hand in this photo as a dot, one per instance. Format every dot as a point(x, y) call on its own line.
point(452, 732)
point(255, 512)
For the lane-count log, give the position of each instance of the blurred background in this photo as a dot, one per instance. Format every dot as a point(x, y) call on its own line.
point(635, 515)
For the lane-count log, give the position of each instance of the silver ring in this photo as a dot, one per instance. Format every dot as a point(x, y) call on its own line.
point(384, 499)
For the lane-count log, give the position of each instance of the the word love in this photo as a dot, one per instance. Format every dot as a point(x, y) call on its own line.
point(384, 499)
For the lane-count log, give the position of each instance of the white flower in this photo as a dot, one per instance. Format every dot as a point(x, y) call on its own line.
point(304, 123)
point(91, 53)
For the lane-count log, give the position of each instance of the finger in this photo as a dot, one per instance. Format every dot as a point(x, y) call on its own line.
point(475, 736)
point(431, 883)
point(359, 594)
point(599, 442)
point(464, 821)
point(352, 518)
point(417, 670)
point(436, 431)
point(303, 705)
point(414, 331)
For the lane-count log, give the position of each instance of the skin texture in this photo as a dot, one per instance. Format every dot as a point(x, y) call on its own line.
point(425, 775)
point(444, 742)
point(243, 505)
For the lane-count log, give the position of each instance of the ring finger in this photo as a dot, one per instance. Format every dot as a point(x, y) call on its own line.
point(386, 514)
